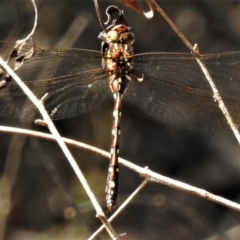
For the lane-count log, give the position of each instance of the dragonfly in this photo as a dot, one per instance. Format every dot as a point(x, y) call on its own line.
point(168, 86)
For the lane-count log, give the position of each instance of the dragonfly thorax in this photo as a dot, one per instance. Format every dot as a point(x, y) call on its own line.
point(117, 54)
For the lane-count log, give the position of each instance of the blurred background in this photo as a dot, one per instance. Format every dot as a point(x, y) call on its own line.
point(41, 198)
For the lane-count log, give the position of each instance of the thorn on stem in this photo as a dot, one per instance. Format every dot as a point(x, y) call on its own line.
point(40, 122)
point(44, 98)
point(195, 50)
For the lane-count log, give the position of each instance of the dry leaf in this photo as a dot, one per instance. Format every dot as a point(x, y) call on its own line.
point(134, 4)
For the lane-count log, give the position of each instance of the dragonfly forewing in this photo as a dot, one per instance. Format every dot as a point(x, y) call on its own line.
point(73, 78)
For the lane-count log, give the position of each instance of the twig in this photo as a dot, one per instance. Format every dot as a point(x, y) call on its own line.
point(194, 50)
point(9, 175)
point(150, 175)
point(35, 22)
point(171, 23)
point(125, 203)
point(20, 43)
point(53, 130)
point(217, 98)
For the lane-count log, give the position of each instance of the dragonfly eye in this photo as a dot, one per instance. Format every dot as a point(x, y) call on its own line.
point(113, 36)
point(128, 37)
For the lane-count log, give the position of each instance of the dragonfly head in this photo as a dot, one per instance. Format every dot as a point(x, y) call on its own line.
point(118, 31)
point(118, 34)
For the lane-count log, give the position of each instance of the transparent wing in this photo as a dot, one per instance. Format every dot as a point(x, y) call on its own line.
point(73, 78)
point(175, 90)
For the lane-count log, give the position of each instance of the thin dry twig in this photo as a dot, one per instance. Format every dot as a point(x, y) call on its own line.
point(35, 22)
point(11, 169)
point(20, 43)
point(124, 204)
point(171, 23)
point(144, 172)
point(47, 120)
point(53, 130)
point(148, 174)
point(217, 98)
point(216, 95)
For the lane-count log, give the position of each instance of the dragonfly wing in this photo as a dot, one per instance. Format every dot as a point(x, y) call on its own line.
point(73, 79)
point(175, 91)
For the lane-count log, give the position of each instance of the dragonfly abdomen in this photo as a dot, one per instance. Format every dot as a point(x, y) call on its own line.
point(117, 61)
